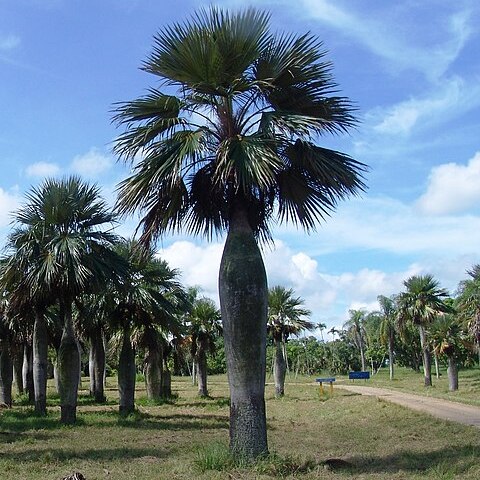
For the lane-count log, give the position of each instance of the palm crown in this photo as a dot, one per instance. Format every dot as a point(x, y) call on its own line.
point(239, 131)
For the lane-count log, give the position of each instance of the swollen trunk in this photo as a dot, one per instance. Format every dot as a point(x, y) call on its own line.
point(279, 369)
point(452, 372)
point(17, 368)
point(243, 302)
point(68, 368)
point(126, 375)
point(97, 366)
point(40, 362)
point(201, 364)
point(153, 374)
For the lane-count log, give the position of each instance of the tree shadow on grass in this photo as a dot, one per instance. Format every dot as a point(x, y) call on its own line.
point(54, 455)
point(456, 459)
point(25, 421)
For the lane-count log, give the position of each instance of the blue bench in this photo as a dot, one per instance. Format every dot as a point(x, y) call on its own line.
point(359, 375)
point(329, 380)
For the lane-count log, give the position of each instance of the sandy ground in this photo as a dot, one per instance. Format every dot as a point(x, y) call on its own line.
point(456, 412)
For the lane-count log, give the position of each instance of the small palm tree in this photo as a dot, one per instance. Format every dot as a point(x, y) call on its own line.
point(203, 327)
point(355, 328)
point(62, 252)
point(232, 149)
point(286, 316)
point(468, 304)
point(421, 303)
point(446, 337)
point(388, 329)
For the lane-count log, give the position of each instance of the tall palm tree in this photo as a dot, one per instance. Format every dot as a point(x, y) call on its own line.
point(468, 304)
point(388, 329)
point(203, 326)
point(286, 316)
point(233, 150)
point(421, 303)
point(62, 251)
point(321, 327)
point(355, 327)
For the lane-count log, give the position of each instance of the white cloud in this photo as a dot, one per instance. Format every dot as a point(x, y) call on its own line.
point(452, 188)
point(198, 265)
point(9, 42)
point(388, 35)
point(448, 100)
point(9, 202)
point(42, 169)
point(91, 164)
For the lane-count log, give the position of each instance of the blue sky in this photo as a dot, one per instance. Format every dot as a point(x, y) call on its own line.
point(411, 67)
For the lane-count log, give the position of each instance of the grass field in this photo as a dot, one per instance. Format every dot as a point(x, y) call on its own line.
point(346, 436)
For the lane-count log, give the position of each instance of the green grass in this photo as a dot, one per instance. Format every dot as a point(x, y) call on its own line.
point(345, 436)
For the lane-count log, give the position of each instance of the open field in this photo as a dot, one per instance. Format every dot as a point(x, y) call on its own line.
point(347, 436)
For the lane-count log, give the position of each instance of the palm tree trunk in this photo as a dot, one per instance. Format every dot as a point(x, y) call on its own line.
point(40, 363)
point(166, 391)
point(17, 368)
point(452, 372)
point(126, 375)
point(68, 367)
point(427, 369)
point(279, 369)
point(6, 374)
point(437, 367)
point(390, 358)
point(27, 372)
point(362, 356)
point(97, 366)
point(201, 362)
point(243, 302)
point(153, 373)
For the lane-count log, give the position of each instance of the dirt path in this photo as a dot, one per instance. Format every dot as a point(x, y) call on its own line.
point(456, 412)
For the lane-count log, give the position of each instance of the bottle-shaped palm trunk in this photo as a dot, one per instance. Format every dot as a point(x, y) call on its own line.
point(452, 372)
point(97, 366)
point(243, 301)
point(201, 368)
point(279, 368)
point(40, 363)
point(126, 375)
point(6, 373)
point(427, 366)
point(68, 368)
point(154, 372)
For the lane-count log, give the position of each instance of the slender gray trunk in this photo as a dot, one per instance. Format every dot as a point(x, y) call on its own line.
point(452, 372)
point(362, 356)
point(40, 363)
point(201, 367)
point(153, 373)
point(279, 368)
point(437, 367)
point(17, 368)
point(427, 368)
point(243, 301)
point(97, 366)
point(68, 367)
point(390, 358)
point(27, 372)
point(6, 374)
point(126, 375)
